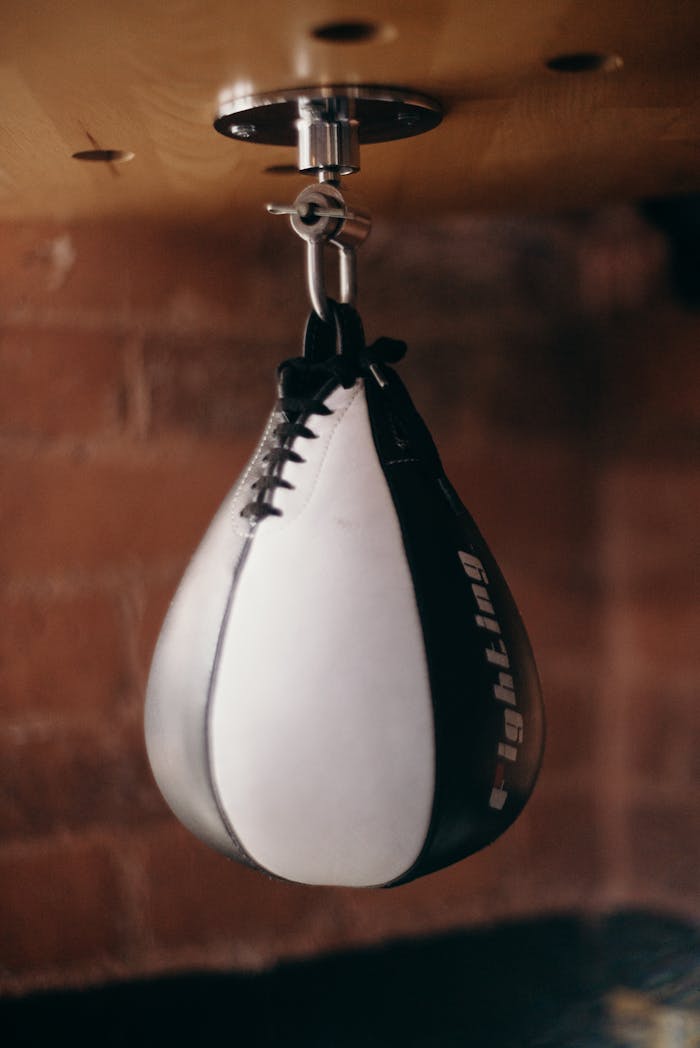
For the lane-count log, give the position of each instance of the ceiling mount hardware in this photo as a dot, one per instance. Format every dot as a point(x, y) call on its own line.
point(327, 125)
point(328, 137)
point(320, 120)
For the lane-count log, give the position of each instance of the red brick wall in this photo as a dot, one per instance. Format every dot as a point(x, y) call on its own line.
point(136, 368)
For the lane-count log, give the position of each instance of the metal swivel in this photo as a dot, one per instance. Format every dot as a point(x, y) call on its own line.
point(320, 216)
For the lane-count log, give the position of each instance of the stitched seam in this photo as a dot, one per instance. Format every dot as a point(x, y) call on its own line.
point(288, 517)
point(242, 483)
point(238, 845)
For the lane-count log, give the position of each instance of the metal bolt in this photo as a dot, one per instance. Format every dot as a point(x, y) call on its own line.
point(407, 117)
point(282, 209)
point(243, 130)
point(308, 212)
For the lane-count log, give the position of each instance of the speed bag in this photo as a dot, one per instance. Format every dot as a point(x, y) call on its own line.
point(343, 692)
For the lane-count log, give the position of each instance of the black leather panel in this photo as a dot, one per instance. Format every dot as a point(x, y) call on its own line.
point(471, 724)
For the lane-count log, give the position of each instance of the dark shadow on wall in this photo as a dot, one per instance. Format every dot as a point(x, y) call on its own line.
point(678, 218)
point(553, 983)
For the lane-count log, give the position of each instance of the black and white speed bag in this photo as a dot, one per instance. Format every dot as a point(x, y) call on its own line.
point(343, 692)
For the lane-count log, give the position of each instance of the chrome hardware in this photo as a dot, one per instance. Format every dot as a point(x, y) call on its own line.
point(364, 114)
point(327, 124)
point(320, 216)
point(310, 211)
point(329, 136)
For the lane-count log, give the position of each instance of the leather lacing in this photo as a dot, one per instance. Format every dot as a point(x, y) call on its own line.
point(300, 382)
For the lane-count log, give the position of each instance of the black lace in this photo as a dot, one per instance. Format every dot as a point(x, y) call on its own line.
point(300, 382)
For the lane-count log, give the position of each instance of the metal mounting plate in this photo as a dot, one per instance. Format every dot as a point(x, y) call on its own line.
point(383, 113)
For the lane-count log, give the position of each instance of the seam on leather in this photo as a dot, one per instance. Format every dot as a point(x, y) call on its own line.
point(242, 852)
point(289, 517)
point(243, 479)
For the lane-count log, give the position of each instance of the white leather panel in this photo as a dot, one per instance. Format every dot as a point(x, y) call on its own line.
point(321, 729)
point(178, 684)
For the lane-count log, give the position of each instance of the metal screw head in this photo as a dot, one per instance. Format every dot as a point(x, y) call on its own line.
point(243, 130)
point(407, 118)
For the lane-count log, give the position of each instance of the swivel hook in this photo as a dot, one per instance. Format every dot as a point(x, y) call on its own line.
point(320, 216)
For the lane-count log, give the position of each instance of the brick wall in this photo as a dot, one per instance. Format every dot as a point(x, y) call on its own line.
point(560, 381)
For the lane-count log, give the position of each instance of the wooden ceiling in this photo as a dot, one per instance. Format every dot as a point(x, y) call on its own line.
point(143, 76)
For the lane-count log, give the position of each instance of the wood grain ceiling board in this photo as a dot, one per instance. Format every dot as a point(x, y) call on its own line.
point(144, 76)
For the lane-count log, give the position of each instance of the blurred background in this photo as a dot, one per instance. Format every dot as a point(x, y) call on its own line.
point(553, 351)
point(556, 362)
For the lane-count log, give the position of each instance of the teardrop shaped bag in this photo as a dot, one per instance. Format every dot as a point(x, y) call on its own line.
point(343, 692)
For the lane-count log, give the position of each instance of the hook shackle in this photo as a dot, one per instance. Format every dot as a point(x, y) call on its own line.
point(320, 216)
